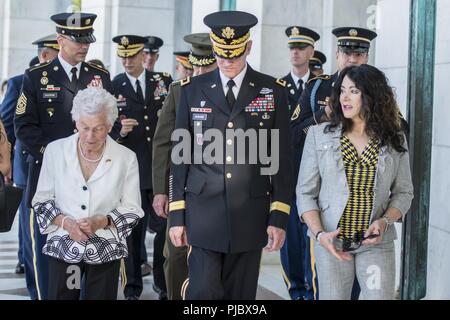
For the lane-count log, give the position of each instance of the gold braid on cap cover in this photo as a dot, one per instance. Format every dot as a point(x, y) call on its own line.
point(130, 50)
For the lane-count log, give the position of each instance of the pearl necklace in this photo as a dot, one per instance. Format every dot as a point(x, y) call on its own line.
point(89, 160)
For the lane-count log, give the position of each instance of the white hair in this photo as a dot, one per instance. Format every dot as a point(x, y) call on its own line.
point(93, 101)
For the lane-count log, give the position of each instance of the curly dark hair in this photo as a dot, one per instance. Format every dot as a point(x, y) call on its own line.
point(379, 108)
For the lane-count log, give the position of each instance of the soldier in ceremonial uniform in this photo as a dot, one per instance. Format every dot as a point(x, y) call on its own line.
point(203, 61)
point(316, 63)
point(301, 43)
point(151, 51)
point(184, 68)
point(43, 109)
point(313, 108)
point(297, 273)
point(140, 95)
point(228, 211)
point(48, 49)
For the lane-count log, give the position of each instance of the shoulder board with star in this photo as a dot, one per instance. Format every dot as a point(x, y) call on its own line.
point(166, 74)
point(281, 82)
point(95, 66)
point(322, 76)
point(40, 65)
point(185, 81)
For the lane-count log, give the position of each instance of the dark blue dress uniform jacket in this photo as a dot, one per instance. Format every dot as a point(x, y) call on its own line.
point(292, 91)
point(146, 113)
point(228, 207)
point(43, 110)
point(308, 112)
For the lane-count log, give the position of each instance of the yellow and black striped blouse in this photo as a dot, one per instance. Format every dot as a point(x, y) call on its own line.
point(360, 175)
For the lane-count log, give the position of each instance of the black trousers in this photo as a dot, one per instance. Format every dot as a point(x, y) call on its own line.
point(134, 286)
point(99, 281)
point(217, 276)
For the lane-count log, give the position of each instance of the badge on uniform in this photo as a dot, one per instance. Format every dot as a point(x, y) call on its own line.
point(199, 116)
point(21, 104)
point(266, 91)
point(265, 116)
point(160, 90)
point(204, 110)
point(262, 104)
point(51, 87)
point(44, 81)
point(50, 95)
point(121, 101)
point(50, 112)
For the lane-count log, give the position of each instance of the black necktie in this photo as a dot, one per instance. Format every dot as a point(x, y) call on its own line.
point(139, 90)
point(74, 80)
point(230, 95)
point(300, 84)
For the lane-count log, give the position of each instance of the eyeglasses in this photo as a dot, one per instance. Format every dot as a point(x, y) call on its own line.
point(352, 244)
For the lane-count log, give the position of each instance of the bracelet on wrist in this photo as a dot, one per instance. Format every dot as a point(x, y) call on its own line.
point(318, 234)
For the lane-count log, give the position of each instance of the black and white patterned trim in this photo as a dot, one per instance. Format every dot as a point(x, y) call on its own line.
point(124, 222)
point(46, 212)
point(96, 250)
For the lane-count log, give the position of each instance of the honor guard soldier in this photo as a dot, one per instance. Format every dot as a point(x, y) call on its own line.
point(44, 106)
point(294, 255)
point(316, 63)
point(228, 210)
point(301, 43)
point(313, 108)
point(151, 51)
point(47, 49)
point(140, 95)
point(202, 59)
point(184, 68)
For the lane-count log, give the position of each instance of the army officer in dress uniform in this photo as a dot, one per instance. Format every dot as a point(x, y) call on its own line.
point(203, 61)
point(47, 49)
point(301, 42)
point(140, 95)
point(227, 212)
point(43, 109)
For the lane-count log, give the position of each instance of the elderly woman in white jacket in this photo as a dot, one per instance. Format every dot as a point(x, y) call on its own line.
point(87, 201)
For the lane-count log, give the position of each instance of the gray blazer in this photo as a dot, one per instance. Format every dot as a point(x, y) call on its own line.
point(322, 183)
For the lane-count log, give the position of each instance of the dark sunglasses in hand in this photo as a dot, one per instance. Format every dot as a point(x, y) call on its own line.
point(352, 244)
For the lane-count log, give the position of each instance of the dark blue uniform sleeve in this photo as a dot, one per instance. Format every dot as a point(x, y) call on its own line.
point(26, 120)
point(179, 171)
point(8, 107)
point(282, 181)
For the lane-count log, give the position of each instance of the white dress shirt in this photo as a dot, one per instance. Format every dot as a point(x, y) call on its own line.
point(68, 67)
point(237, 81)
point(112, 190)
point(141, 79)
point(305, 79)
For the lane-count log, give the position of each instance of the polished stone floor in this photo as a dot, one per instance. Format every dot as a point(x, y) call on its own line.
point(12, 286)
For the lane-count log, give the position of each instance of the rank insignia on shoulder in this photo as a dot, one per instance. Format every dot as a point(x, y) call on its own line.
point(281, 82)
point(21, 104)
point(166, 74)
point(95, 66)
point(322, 76)
point(296, 113)
point(185, 81)
point(40, 65)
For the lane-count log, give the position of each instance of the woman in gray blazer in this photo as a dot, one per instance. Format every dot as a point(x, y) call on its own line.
point(354, 183)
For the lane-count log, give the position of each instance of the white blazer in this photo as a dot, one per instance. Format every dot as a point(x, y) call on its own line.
point(112, 190)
